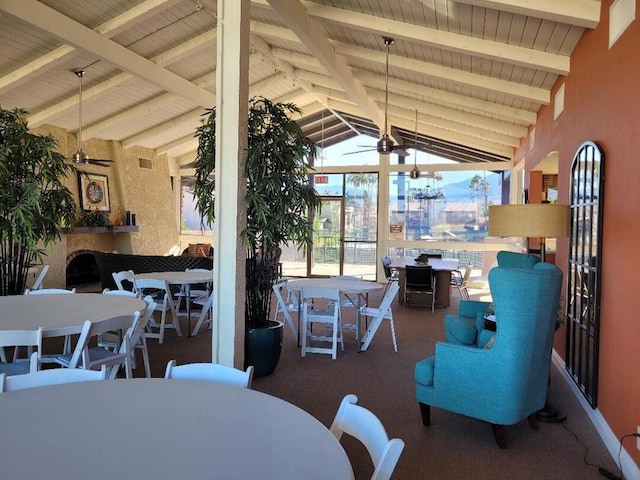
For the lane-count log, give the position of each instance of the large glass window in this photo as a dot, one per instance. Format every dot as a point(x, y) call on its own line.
point(442, 206)
point(189, 216)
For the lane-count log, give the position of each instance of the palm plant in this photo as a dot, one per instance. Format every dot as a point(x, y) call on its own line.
point(279, 197)
point(34, 201)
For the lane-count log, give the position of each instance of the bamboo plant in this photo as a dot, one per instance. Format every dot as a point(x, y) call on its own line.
point(279, 196)
point(34, 200)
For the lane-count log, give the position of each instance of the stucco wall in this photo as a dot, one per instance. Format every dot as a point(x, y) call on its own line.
point(602, 103)
point(145, 192)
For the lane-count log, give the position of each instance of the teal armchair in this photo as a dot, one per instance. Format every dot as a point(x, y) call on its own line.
point(506, 383)
point(465, 327)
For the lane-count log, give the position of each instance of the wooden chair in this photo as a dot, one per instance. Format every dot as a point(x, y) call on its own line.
point(419, 280)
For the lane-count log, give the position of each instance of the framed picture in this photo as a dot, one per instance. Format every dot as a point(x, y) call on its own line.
point(94, 191)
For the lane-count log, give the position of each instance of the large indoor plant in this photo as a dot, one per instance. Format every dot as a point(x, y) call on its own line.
point(34, 200)
point(278, 201)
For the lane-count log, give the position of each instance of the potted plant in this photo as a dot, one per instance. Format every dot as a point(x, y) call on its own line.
point(34, 200)
point(278, 201)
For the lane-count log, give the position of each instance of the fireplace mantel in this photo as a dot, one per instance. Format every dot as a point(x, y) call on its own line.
point(93, 230)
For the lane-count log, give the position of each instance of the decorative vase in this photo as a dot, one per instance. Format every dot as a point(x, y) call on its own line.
point(262, 347)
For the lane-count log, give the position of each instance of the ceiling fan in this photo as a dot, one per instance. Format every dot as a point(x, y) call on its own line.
point(386, 144)
point(80, 156)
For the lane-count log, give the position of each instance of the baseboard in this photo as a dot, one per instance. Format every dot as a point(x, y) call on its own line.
point(612, 443)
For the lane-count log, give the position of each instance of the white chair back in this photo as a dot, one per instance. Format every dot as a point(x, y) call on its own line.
point(20, 338)
point(126, 275)
point(363, 424)
point(53, 376)
point(82, 355)
point(210, 372)
point(121, 293)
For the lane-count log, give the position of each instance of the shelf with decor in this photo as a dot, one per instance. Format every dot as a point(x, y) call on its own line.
point(111, 229)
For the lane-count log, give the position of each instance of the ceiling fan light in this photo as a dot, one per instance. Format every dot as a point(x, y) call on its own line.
point(385, 145)
point(80, 157)
point(415, 173)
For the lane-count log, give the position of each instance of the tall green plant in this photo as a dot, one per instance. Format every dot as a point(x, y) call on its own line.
point(33, 199)
point(278, 199)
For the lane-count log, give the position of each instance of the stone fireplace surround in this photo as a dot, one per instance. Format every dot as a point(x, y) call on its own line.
point(73, 250)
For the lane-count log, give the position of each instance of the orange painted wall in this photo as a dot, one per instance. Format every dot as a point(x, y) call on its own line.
point(602, 103)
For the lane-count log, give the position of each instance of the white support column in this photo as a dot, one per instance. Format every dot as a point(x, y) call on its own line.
point(232, 90)
point(383, 214)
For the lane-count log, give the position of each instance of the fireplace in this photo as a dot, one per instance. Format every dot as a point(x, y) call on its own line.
point(82, 272)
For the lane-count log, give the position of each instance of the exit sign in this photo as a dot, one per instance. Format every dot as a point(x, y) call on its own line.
point(320, 179)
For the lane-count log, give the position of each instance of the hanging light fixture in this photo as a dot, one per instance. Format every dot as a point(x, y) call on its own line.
point(415, 173)
point(80, 156)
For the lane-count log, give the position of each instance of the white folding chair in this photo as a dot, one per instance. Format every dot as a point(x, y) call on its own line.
point(460, 281)
point(124, 275)
point(210, 372)
point(194, 293)
point(286, 302)
point(50, 291)
point(206, 312)
point(37, 284)
point(91, 358)
point(364, 425)
point(329, 315)
point(53, 376)
point(138, 337)
point(17, 339)
point(379, 314)
point(161, 293)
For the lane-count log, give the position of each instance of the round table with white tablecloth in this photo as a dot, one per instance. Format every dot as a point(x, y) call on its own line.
point(62, 314)
point(162, 429)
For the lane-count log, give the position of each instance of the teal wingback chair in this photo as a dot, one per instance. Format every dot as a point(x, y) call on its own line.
point(467, 327)
point(508, 382)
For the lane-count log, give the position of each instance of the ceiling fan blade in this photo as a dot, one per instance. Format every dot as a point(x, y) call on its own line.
point(100, 162)
point(372, 149)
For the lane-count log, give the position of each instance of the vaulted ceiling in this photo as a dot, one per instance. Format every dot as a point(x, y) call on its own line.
point(475, 71)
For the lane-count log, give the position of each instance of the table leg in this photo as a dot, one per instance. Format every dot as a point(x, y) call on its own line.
point(188, 300)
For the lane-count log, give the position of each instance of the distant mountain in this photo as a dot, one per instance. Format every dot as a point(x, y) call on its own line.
point(460, 191)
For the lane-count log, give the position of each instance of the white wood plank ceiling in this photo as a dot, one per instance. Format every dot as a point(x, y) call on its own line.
point(477, 71)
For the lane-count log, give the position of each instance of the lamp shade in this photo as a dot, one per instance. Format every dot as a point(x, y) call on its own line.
point(543, 220)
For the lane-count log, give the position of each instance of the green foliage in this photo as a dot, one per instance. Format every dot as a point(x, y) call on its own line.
point(278, 199)
point(93, 218)
point(33, 198)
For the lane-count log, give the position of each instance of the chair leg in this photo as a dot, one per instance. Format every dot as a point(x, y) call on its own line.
point(145, 356)
point(425, 413)
point(499, 435)
point(393, 334)
point(533, 421)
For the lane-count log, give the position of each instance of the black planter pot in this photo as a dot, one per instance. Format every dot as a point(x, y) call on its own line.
point(262, 347)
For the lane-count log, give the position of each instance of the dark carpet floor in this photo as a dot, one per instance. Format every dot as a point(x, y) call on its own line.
point(454, 447)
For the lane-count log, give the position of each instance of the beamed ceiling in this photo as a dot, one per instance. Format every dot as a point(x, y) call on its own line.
point(476, 71)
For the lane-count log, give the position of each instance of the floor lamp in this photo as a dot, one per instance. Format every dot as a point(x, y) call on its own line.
point(542, 220)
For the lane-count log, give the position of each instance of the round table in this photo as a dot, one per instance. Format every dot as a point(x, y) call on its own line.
point(62, 314)
point(358, 289)
point(162, 429)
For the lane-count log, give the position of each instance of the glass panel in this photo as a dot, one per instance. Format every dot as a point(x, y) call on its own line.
point(189, 216)
point(329, 185)
point(360, 150)
point(444, 206)
point(327, 238)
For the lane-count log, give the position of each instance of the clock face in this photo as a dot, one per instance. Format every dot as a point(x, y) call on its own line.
point(94, 192)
